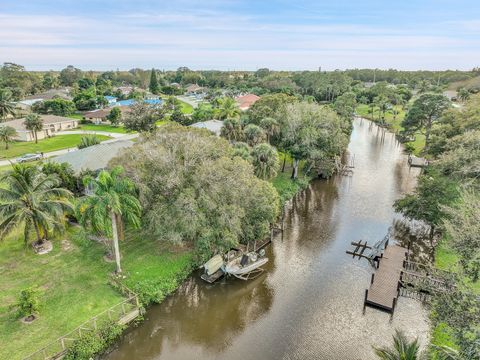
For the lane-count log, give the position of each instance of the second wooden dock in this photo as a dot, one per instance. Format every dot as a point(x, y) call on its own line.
point(383, 291)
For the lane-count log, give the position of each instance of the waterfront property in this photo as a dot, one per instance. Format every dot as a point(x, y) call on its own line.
point(52, 124)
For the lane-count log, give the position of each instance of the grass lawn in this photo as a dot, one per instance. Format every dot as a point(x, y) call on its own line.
point(186, 108)
point(46, 145)
point(73, 287)
point(446, 259)
point(285, 186)
point(153, 269)
point(102, 127)
point(363, 110)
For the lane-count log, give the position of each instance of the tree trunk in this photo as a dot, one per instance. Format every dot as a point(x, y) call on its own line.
point(432, 232)
point(284, 161)
point(37, 232)
point(121, 227)
point(427, 133)
point(115, 241)
point(6, 145)
point(295, 169)
point(36, 137)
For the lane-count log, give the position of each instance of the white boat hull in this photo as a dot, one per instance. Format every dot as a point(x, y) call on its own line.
point(234, 267)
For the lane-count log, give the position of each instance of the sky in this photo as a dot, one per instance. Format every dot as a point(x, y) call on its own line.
point(241, 35)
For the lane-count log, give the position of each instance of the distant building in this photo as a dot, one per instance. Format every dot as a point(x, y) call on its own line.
point(194, 89)
point(244, 102)
point(46, 95)
point(100, 116)
point(124, 90)
point(51, 125)
point(215, 126)
point(94, 157)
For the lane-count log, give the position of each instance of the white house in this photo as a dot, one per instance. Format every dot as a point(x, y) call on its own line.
point(215, 126)
point(51, 125)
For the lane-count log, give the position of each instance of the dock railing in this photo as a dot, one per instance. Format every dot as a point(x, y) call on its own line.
point(121, 313)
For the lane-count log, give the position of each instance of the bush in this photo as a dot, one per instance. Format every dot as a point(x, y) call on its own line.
point(94, 342)
point(28, 302)
point(87, 141)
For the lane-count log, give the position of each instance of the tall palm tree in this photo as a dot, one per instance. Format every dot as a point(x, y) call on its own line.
point(265, 161)
point(232, 129)
point(228, 108)
point(271, 127)
point(7, 135)
point(254, 134)
point(7, 107)
point(33, 200)
point(402, 349)
point(113, 201)
point(34, 123)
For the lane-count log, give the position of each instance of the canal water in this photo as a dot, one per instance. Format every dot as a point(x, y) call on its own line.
point(308, 304)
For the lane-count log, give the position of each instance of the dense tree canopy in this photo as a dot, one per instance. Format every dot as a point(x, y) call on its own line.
point(194, 191)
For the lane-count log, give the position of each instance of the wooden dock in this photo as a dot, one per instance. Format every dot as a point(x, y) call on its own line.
point(385, 283)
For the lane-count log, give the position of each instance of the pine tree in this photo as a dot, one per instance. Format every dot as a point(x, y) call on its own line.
point(154, 87)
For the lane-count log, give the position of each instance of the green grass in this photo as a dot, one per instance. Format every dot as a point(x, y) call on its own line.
point(285, 186)
point(102, 127)
point(395, 124)
point(153, 269)
point(73, 284)
point(186, 108)
point(57, 142)
point(76, 116)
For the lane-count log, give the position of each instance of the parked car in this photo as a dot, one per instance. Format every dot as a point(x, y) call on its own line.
point(29, 157)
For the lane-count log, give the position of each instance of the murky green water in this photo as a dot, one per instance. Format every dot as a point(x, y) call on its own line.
point(308, 304)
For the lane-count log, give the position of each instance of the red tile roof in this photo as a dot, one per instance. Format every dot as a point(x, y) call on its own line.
point(244, 102)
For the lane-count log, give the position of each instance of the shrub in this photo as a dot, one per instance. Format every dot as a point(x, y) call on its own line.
point(87, 141)
point(94, 342)
point(28, 302)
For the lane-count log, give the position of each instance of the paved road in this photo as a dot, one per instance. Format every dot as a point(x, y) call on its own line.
point(116, 137)
point(189, 101)
point(91, 132)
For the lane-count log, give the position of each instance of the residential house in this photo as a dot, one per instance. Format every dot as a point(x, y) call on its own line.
point(194, 89)
point(244, 102)
point(94, 157)
point(100, 116)
point(51, 125)
point(214, 126)
point(27, 103)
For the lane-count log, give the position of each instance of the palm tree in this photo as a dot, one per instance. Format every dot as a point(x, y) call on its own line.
point(232, 129)
point(265, 161)
point(254, 134)
point(33, 200)
point(228, 108)
point(7, 107)
point(7, 135)
point(270, 126)
point(34, 123)
point(113, 201)
point(402, 349)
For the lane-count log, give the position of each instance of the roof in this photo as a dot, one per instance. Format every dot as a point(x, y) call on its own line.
point(193, 87)
point(93, 157)
point(50, 94)
point(17, 124)
point(244, 102)
point(214, 126)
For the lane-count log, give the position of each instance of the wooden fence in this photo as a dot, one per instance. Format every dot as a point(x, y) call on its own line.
point(121, 313)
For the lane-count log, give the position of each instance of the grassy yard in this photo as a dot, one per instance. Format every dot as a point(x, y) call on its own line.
point(46, 145)
point(186, 108)
point(285, 186)
point(73, 284)
point(363, 110)
point(446, 259)
point(153, 269)
point(102, 127)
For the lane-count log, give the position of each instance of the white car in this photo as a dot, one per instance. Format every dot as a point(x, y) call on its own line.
point(29, 157)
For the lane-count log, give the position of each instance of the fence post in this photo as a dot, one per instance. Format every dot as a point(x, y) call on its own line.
point(123, 308)
point(63, 343)
point(95, 323)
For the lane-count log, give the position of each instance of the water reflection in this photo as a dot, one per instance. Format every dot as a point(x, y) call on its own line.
point(308, 304)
